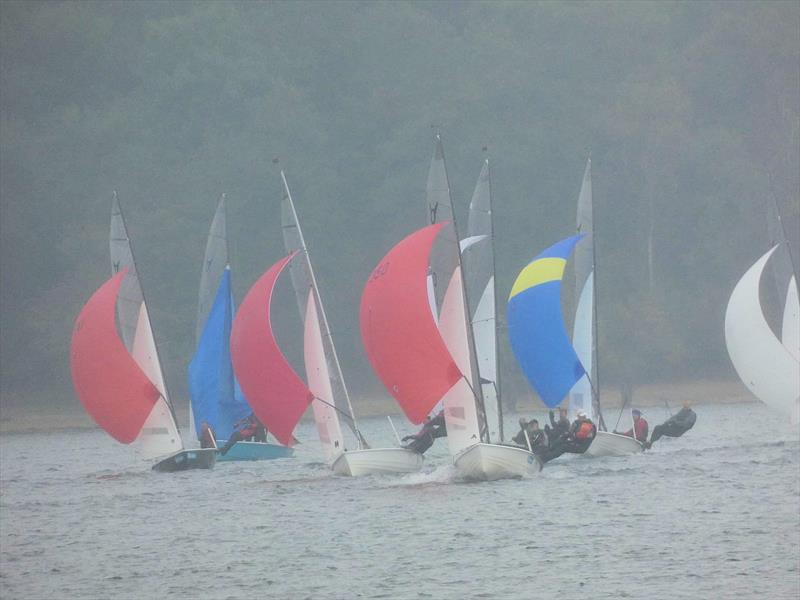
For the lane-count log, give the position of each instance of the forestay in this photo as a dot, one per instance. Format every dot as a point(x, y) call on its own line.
point(477, 252)
point(536, 326)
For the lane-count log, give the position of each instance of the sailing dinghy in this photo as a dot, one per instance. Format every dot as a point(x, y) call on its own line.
point(476, 453)
point(216, 397)
point(324, 373)
point(768, 366)
point(585, 394)
point(117, 373)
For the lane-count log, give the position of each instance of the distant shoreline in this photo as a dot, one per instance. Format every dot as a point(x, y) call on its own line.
point(23, 419)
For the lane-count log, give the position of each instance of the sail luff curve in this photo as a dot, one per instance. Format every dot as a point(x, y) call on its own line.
point(278, 396)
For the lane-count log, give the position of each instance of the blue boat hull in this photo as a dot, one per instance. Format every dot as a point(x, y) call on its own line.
point(255, 451)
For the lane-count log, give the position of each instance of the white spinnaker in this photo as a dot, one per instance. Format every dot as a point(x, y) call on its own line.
point(460, 413)
point(762, 362)
point(159, 435)
point(580, 396)
point(483, 329)
point(790, 330)
point(319, 382)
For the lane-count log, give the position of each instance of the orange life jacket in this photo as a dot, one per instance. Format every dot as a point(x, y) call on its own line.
point(584, 431)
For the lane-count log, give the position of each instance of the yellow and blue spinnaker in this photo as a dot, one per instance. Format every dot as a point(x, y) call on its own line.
point(536, 326)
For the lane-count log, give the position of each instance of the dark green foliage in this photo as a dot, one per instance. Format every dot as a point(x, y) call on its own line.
point(690, 111)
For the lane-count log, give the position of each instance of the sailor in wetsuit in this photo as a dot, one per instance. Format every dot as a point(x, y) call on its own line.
point(577, 440)
point(423, 439)
point(559, 428)
point(676, 425)
point(247, 429)
point(537, 437)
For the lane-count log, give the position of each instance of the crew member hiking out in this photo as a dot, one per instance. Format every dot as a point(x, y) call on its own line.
point(676, 425)
point(576, 441)
point(423, 439)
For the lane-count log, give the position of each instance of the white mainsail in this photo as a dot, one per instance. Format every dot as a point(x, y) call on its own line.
point(459, 402)
point(159, 435)
point(479, 273)
point(763, 363)
point(319, 382)
point(583, 338)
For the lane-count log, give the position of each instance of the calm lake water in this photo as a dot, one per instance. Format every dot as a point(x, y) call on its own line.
point(714, 514)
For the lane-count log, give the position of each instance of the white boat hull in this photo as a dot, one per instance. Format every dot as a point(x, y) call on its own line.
point(377, 461)
point(489, 462)
point(612, 444)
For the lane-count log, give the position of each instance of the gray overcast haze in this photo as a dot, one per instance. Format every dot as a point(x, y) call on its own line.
point(689, 109)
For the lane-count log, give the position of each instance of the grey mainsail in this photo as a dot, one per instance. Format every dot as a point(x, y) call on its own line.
point(477, 255)
point(130, 297)
point(584, 396)
point(214, 263)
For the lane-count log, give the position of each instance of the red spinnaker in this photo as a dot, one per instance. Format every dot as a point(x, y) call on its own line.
point(111, 386)
point(274, 391)
point(400, 335)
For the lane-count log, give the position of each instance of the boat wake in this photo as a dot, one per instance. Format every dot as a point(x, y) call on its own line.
point(441, 475)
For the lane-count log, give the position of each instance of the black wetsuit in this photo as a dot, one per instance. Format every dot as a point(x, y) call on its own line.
point(559, 429)
point(676, 425)
point(571, 442)
point(435, 428)
point(538, 440)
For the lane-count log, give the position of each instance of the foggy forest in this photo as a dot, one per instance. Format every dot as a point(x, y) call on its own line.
point(689, 111)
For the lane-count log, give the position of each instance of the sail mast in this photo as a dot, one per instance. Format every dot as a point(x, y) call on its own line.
point(475, 385)
point(594, 380)
point(498, 376)
point(326, 332)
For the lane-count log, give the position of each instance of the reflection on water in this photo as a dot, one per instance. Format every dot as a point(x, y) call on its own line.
point(712, 514)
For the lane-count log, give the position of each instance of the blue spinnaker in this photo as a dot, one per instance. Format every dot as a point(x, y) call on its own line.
point(536, 326)
point(216, 396)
